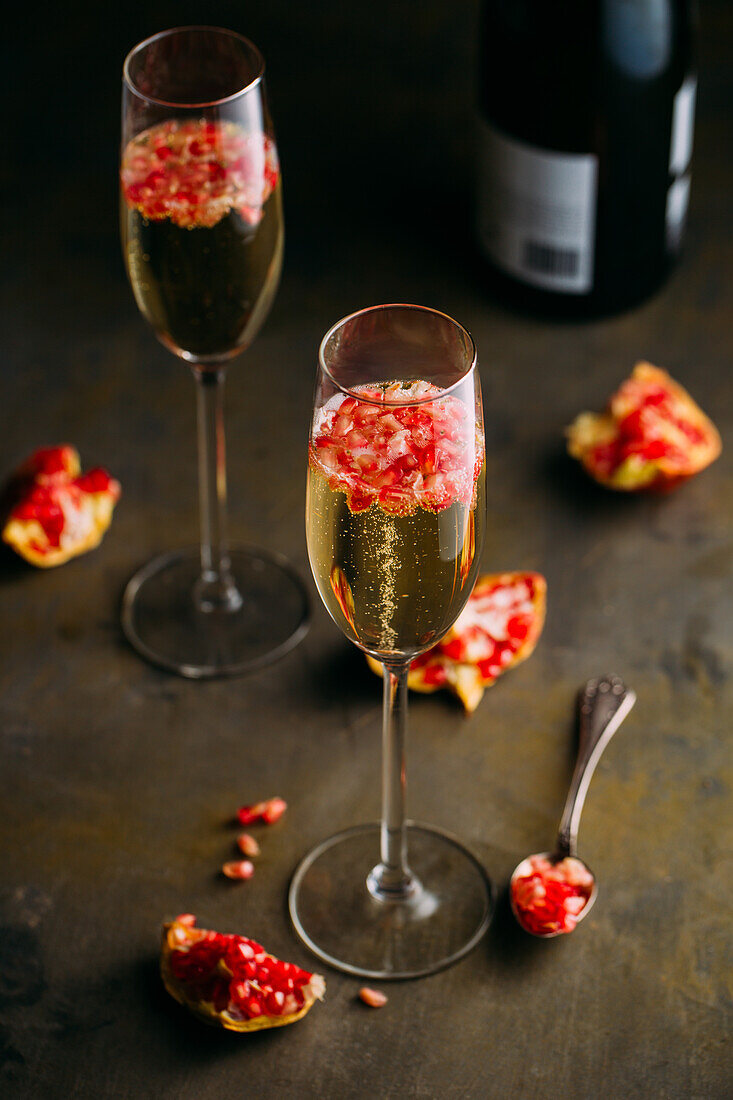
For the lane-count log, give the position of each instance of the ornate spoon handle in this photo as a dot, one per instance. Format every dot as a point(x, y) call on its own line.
point(603, 704)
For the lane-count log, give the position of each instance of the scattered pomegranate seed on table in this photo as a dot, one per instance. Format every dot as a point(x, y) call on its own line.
point(268, 812)
point(248, 845)
point(238, 869)
point(372, 997)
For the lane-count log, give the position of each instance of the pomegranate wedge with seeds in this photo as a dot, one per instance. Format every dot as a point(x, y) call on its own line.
point(651, 436)
point(55, 512)
point(499, 627)
point(231, 981)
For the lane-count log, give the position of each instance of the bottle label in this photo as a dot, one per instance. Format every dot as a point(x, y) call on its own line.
point(537, 211)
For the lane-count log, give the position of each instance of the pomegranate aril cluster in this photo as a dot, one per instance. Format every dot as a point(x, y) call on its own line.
point(399, 457)
point(550, 896)
point(195, 172)
point(237, 975)
point(267, 812)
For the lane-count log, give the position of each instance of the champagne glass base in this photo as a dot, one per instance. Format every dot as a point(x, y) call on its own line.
point(161, 620)
point(338, 919)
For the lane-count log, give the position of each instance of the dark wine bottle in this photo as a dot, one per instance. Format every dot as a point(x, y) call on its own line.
point(586, 121)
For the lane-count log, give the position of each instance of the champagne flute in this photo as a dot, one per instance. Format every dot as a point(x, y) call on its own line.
point(395, 521)
point(202, 234)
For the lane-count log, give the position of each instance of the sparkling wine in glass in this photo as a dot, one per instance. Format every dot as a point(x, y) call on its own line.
point(395, 521)
point(202, 235)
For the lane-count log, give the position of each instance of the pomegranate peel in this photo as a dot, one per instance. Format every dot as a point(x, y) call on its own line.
point(499, 627)
point(652, 435)
point(230, 981)
point(55, 513)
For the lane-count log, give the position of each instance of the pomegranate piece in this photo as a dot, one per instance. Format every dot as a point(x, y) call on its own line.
point(231, 981)
point(372, 997)
point(651, 436)
point(247, 845)
point(54, 512)
point(397, 457)
point(195, 172)
point(548, 897)
point(499, 627)
point(268, 812)
point(49, 464)
point(238, 869)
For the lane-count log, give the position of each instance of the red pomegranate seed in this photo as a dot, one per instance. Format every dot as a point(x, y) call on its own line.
point(247, 815)
point(274, 809)
point(238, 869)
point(268, 812)
point(240, 992)
point(372, 997)
point(274, 1002)
point(248, 845)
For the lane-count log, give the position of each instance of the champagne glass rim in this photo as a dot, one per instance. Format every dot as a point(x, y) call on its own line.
point(204, 103)
point(444, 391)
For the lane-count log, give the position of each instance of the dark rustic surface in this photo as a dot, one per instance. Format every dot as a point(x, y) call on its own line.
point(117, 780)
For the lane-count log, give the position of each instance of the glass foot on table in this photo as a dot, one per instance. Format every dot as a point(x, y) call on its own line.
point(338, 919)
point(162, 621)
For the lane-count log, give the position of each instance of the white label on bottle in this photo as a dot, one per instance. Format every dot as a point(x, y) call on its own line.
point(678, 198)
point(683, 117)
point(537, 211)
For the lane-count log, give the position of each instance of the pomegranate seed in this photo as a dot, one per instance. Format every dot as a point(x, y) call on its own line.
point(268, 811)
point(274, 809)
point(240, 992)
point(248, 844)
point(247, 815)
point(372, 997)
point(274, 1002)
point(238, 868)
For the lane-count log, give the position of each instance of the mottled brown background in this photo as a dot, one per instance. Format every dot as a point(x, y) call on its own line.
point(117, 780)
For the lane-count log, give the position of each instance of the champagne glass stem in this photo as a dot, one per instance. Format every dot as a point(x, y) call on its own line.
point(215, 590)
point(392, 879)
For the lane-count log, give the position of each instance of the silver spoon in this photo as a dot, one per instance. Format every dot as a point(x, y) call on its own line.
point(603, 704)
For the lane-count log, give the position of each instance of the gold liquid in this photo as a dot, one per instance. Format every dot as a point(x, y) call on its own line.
point(393, 584)
point(206, 291)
